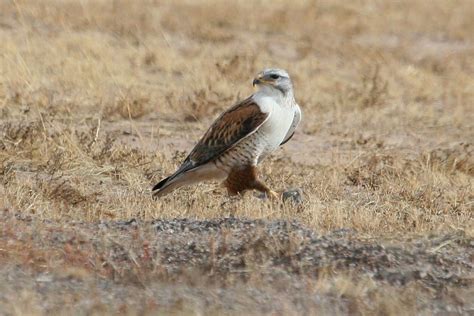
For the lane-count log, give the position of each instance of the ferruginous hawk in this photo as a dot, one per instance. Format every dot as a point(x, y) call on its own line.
point(241, 138)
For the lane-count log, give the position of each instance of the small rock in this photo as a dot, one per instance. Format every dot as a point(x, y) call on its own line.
point(44, 278)
point(293, 195)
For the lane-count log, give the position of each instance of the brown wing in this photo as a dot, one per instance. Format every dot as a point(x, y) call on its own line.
point(238, 122)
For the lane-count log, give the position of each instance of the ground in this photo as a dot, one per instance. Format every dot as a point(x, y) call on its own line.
point(99, 100)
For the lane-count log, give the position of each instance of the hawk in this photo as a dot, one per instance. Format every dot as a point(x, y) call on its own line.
point(240, 138)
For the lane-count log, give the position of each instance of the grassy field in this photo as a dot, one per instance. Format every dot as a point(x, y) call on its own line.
point(101, 99)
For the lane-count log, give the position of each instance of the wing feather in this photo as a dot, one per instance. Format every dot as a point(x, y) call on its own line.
point(294, 124)
point(237, 123)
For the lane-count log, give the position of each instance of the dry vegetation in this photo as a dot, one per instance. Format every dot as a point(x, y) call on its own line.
point(100, 99)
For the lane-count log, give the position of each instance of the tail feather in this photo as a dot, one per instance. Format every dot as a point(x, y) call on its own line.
point(163, 187)
point(160, 184)
point(188, 177)
point(169, 184)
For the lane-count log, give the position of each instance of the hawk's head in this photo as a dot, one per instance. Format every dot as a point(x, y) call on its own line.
point(274, 78)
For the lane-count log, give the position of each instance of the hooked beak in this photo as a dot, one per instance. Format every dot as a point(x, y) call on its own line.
point(260, 79)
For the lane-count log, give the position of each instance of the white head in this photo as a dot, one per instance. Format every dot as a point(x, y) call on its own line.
point(274, 79)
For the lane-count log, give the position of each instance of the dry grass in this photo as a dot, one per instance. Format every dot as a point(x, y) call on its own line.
point(100, 99)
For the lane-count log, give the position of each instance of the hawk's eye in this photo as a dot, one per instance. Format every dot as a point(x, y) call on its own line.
point(274, 76)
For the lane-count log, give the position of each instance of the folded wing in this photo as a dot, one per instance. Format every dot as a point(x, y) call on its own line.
point(294, 124)
point(237, 123)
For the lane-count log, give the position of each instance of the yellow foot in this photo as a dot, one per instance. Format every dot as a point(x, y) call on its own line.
point(273, 195)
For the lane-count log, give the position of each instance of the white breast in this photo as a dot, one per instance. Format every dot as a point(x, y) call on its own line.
point(274, 130)
point(267, 137)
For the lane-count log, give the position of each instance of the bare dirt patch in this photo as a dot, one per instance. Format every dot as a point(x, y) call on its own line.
point(227, 264)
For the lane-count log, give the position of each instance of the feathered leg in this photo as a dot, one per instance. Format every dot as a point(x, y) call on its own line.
point(242, 179)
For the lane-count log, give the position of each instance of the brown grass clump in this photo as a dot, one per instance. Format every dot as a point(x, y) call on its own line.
point(100, 99)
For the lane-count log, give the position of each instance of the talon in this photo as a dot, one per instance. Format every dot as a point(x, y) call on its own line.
point(273, 195)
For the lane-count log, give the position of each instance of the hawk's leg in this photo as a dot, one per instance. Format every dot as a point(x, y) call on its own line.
point(240, 180)
point(262, 187)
